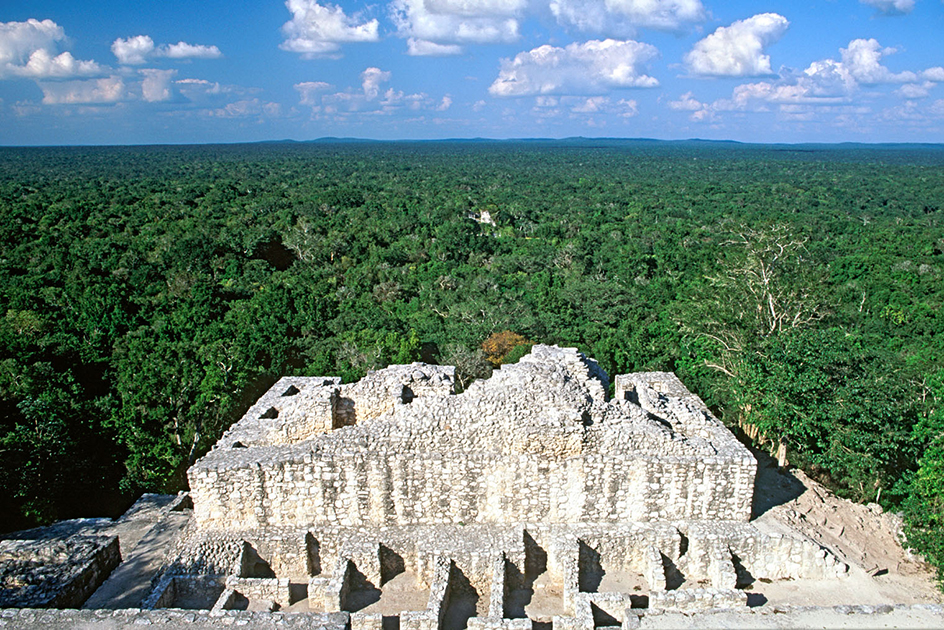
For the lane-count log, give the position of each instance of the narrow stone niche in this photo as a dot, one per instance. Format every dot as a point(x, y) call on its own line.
point(463, 601)
point(590, 568)
point(358, 592)
point(252, 565)
point(312, 555)
point(533, 594)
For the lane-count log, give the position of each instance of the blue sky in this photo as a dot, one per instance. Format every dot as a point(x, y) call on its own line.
point(169, 71)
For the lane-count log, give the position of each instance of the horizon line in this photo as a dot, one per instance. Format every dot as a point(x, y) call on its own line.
point(476, 139)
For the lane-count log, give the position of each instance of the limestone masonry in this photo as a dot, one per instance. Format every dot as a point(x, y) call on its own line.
point(529, 499)
point(537, 442)
point(60, 573)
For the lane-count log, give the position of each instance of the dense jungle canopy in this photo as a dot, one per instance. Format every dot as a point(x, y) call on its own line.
point(149, 294)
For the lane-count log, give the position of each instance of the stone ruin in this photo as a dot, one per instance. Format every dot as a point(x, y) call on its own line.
point(39, 571)
point(529, 499)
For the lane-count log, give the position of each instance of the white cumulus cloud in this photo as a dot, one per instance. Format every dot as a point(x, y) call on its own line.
point(828, 82)
point(452, 22)
point(18, 40)
point(309, 91)
point(628, 108)
point(157, 85)
point(863, 59)
point(738, 50)
point(372, 98)
point(590, 110)
point(183, 50)
point(915, 90)
point(659, 14)
point(247, 108)
point(475, 8)
point(422, 48)
point(588, 16)
point(134, 50)
point(138, 49)
point(317, 30)
point(623, 16)
point(686, 103)
point(31, 49)
point(371, 78)
point(196, 90)
point(592, 67)
point(823, 82)
point(891, 7)
point(935, 74)
point(90, 91)
point(826, 78)
point(42, 65)
point(698, 111)
point(591, 105)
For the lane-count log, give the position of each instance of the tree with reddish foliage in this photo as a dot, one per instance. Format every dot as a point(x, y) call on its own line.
point(499, 345)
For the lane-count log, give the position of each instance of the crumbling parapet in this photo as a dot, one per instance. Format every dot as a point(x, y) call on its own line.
point(698, 599)
point(58, 573)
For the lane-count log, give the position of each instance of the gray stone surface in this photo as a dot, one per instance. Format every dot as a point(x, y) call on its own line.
point(130, 582)
point(866, 617)
point(52, 572)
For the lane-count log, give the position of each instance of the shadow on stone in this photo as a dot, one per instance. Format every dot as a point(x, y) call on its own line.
point(744, 577)
point(238, 602)
point(391, 564)
point(461, 602)
point(520, 591)
point(602, 619)
point(297, 591)
point(253, 565)
point(313, 548)
point(674, 578)
point(361, 591)
point(772, 486)
point(590, 570)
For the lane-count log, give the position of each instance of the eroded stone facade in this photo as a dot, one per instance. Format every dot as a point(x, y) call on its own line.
point(529, 498)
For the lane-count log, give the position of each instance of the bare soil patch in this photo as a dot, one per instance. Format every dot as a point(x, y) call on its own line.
point(865, 537)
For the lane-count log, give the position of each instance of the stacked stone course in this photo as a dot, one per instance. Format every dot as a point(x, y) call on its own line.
point(531, 485)
point(59, 573)
point(435, 457)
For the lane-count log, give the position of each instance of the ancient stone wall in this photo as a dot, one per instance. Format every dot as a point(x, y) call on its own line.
point(875, 616)
point(59, 573)
point(466, 487)
point(379, 391)
point(536, 442)
point(529, 500)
